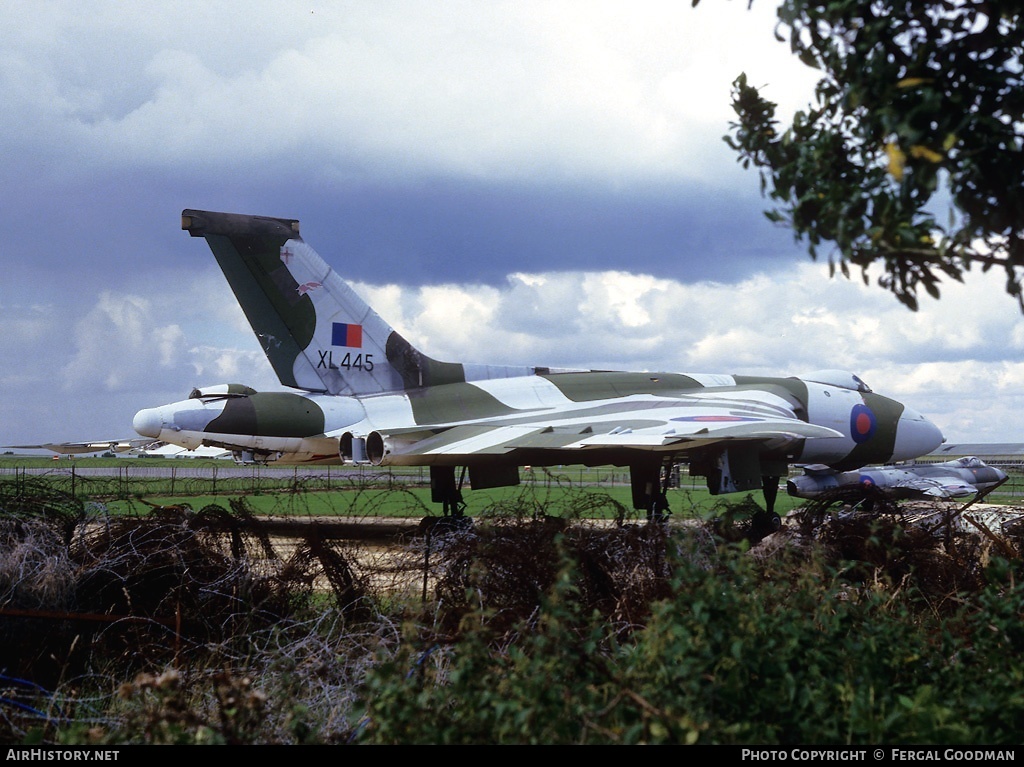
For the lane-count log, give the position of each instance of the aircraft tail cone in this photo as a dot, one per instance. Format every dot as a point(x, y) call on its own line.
point(148, 422)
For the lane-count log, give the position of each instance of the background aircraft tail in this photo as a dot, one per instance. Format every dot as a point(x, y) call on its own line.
point(317, 333)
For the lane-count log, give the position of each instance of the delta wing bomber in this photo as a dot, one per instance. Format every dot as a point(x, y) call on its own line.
point(361, 393)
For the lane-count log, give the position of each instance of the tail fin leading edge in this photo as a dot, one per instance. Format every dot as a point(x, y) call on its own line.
point(317, 333)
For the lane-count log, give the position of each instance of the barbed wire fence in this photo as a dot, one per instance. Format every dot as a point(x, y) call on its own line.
point(96, 605)
point(137, 478)
point(161, 615)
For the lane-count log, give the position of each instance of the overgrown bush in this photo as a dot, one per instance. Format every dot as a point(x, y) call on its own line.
point(184, 627)
point(735, 655)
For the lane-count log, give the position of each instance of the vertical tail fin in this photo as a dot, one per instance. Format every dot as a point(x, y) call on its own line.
point(317, 333)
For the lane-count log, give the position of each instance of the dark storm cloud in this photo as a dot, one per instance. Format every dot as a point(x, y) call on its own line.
point(473, 232)
point(116, 228)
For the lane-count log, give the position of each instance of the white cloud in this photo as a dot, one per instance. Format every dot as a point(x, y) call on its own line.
point(130, 348)
point(190, 332)
point(216, 365)
point(792, 323)
point(503, 90)
point(25, 324)
point(454, 314)
point(119, 345)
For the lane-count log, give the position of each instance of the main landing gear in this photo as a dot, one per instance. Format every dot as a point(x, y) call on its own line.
point(744, 520)
point(650, 483)
point(764, 523)
point(444, 489)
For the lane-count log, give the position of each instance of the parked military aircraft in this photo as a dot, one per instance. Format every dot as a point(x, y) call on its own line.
point(366, 395)
point(134, 447)
point(959, 478)
point(84, 448)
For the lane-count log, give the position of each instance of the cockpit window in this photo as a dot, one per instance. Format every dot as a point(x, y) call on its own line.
point(861, 386)
point(841, 378)
point(970, 462)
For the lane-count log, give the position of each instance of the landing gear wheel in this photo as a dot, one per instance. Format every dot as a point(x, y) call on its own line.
point(764, 523)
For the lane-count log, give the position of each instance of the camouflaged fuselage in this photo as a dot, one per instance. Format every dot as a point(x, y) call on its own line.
point(538, 418)
point(365, 394)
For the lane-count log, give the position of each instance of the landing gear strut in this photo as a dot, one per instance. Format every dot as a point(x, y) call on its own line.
point(650, 489)
point(446, 491)
point(765, 523)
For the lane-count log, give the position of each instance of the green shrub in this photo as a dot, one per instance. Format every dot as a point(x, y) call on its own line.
point(737, 654)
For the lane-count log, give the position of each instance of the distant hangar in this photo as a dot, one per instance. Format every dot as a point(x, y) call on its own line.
point(993, 453)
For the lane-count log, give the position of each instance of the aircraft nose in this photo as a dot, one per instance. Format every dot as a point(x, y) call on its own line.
point(915, 436)
point(148, 422)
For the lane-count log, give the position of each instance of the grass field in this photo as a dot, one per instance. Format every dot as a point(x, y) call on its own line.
point(131, 485)
point(587, 502)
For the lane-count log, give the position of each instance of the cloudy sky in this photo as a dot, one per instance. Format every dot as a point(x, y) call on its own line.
point(508, 182)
